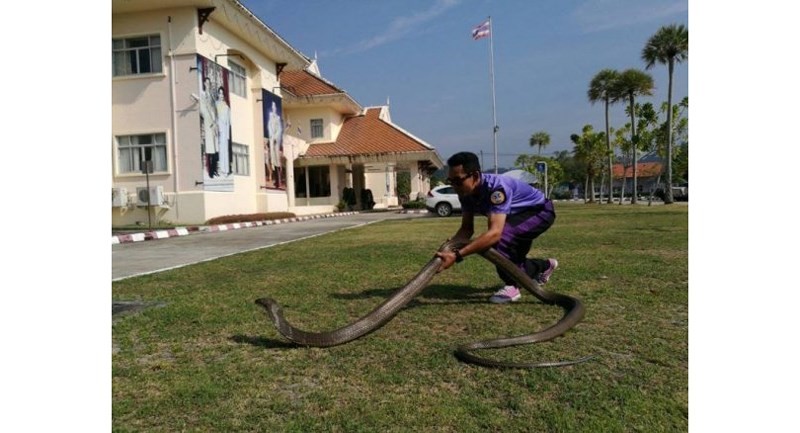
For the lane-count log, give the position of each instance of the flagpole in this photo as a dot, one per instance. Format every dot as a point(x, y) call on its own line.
point(491, 76)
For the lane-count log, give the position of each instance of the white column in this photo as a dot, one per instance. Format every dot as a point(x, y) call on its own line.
point(333, 173)
point(415, 178)
point(391, 182)
point(288, 151)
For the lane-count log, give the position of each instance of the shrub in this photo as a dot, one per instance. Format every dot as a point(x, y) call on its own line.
point(414, 205)
point(561, 195)
point(229, 219)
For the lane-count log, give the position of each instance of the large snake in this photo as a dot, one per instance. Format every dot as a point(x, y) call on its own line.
point(383, 313)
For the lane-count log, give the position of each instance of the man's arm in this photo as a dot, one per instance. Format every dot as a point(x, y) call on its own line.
point(467, 228)
point(492, 236)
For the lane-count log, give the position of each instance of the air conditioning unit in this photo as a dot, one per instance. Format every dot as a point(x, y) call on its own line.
point(119, 197)
point(155, 194)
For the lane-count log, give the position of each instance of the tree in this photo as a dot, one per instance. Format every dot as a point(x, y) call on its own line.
point(647, 133)
point(626, 148)
point(633, 83)
point(555, 173)
point(526, 162)
point(602, 88)
point(404, 184)
point(589, 151)
point(573, 170)
point(670, 44)
point(678, 132)
point(681, 166)
point(541, 139)
point(652, 132)
point(681, 135)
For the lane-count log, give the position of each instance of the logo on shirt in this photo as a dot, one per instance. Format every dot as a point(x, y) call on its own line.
point(498, 197)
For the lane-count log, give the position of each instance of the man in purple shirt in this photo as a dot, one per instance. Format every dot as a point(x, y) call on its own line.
point(518, 213)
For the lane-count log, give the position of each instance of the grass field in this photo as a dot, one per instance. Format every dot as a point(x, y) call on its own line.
point(206, 358)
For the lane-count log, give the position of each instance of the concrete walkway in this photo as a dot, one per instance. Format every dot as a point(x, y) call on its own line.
point(131, 259)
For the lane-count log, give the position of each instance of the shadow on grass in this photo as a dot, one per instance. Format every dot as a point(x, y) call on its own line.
point(122, 309)
point(455, 294)
point(435, 293)
point(266, 343)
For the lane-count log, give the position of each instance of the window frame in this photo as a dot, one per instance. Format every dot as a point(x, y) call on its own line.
point(154, 56)
point(321, 128)
point(238, 79)
point(312, 181)
point(246, 159)
point(140, 150)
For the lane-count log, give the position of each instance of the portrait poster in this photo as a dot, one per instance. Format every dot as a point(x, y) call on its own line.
point(216, 147)
point(274, 159)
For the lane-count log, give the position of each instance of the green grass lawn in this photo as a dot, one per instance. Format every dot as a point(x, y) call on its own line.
point(206, 358)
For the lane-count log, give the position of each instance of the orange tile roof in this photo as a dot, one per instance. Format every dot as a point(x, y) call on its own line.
point(304, 83)
point(643, 169)
point(367, 135)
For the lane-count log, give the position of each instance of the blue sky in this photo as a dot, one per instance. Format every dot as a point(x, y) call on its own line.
point(420, 56)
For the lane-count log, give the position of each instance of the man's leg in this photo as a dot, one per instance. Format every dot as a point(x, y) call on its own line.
point(518, 235)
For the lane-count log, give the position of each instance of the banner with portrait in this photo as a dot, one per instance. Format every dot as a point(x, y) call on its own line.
point(216, 147)
point(274, 159)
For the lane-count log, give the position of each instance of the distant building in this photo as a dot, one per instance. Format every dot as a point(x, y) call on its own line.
point(231, 119)
point(648, 174)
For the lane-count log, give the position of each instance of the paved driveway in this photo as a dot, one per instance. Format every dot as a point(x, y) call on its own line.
point(147, 257)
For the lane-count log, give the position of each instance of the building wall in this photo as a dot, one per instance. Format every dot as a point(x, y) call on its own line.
point(381, 179)
point(162, 103)
point(143, 104)
point(300, 117)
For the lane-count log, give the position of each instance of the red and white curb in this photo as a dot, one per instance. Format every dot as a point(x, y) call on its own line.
point(183, 231)
point(156, 234)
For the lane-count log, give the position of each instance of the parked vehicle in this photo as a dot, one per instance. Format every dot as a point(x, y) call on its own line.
point(679, 193)
point(443, 200)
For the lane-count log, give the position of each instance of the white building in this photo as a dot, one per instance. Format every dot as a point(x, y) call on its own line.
point(232, 119)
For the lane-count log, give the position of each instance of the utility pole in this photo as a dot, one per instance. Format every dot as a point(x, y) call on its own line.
point(541, 167)
point(147, 168)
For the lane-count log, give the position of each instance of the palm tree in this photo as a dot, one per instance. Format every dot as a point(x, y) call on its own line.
point(589, 151)
point(625, 147)
point(601, 88)
point(670, 44)
point(630, 84)
point(541, 139)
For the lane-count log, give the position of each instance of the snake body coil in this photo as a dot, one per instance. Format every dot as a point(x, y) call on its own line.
point(383, 313)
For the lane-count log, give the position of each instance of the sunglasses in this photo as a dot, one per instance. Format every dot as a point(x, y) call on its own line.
point(458, 180)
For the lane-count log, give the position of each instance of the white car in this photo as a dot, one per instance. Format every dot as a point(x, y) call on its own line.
point(443, 200)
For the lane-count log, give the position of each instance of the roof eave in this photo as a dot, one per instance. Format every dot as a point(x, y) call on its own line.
point(346, 104)
point(371, 158)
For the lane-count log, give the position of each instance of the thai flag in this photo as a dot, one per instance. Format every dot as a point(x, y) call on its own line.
point(483, 30)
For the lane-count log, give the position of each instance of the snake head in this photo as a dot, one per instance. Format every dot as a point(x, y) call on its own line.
point(272, 307)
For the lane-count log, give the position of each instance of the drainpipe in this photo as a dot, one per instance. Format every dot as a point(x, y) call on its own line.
point(173, 120)
point(288, 152)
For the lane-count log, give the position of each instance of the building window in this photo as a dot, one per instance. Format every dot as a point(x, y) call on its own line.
point(241, 159)
point(300, 182)
point(319, 181)
point(139, 55)
point(238, 79)
point(316, 128)
point(133, 150)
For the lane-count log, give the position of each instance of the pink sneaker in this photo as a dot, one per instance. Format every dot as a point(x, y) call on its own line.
point(506, 294)
point(544, 277)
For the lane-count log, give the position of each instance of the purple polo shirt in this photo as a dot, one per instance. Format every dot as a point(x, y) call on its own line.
point(501, 194)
